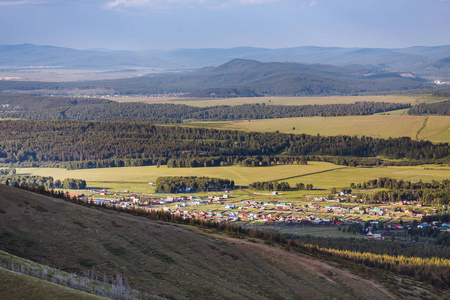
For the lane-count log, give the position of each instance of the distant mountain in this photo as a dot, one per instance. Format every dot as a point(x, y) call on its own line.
point(413, 59)
point(248, 77)
point(243, 78)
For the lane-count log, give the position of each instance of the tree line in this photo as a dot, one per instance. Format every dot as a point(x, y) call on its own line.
point(45, 181)
point(278, 186)
point(429, 193)
point(439, 108)
point(99, 109)
point(39, 143)
point(175, 184)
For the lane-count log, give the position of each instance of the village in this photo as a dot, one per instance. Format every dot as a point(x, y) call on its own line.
point(313, 211)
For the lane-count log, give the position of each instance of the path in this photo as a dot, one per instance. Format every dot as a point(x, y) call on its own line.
point(422, 128)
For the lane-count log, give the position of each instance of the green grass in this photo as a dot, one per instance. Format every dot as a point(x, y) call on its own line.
point(19, 286)
point(282, 100)
point(136, 179)
point(381, 126)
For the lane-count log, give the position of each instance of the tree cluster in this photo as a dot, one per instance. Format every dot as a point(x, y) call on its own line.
point(45, 181)
point(438, 108)
point(177, 184)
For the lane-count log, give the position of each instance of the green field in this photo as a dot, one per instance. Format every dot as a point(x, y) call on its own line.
point(413, 99)
point(320, 174)
point(381, 126)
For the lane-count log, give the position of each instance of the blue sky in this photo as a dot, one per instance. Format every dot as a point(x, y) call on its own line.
point(169, 24)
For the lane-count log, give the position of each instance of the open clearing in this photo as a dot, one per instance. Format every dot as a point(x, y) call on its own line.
point(382, 126)
point(320, 174)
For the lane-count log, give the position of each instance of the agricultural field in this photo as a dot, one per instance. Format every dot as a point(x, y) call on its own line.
point(381, 126)
point(204, 102)
point(321, 174)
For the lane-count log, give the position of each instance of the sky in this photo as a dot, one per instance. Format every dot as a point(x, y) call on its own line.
point(174, 24)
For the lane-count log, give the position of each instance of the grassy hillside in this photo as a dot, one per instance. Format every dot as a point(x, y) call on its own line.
point(18, 286)
point(165, 259)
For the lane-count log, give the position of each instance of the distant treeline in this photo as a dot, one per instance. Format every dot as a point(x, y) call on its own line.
point(441, 93)
point(278, 186)
point(438, 108)
point(27, 107)
point(185, 184)
point(38, 143)
point(46, 181)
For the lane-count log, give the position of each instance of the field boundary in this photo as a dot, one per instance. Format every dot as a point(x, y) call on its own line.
point(308, 174)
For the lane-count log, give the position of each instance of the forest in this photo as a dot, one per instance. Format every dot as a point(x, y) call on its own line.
point(429, 193)
point(61, 108)
point(56, 143)
point(439, 108)
point(45, 181)
point(242, 77)
point(175, 184)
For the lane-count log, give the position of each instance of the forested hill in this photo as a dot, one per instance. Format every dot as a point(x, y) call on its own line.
point(82, 144)
point(43, 108)
point(248, 78)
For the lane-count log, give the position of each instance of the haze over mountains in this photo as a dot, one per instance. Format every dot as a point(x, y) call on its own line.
point(432, 62)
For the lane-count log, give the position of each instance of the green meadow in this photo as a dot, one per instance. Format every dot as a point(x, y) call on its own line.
point(203, 102)
point(321, 174)
point(437, 128)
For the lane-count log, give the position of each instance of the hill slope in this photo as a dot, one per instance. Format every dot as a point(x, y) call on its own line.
point(241, 77)
point(165, 259)
point(18, 286)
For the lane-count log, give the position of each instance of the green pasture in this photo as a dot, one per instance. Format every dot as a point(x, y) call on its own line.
point(321, 174)
point(204, 102)
point(437, 128)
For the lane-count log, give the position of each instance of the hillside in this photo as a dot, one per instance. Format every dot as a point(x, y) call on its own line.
point(19, 286)
point(165, 259)
point(246, 78)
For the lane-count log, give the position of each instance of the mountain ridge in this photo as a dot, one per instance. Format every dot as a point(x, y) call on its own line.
point(412, 59)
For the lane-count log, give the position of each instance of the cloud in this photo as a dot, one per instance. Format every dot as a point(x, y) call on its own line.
point(19, 3)
point(168, 4)
point(308, 3)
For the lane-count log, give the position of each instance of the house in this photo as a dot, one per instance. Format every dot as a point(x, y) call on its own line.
point(274, 193)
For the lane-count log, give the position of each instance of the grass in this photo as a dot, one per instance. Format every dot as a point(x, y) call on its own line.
point(19, 286)
point(163, 259)
point(280, 100)
point(320, 174)
point(381, 126)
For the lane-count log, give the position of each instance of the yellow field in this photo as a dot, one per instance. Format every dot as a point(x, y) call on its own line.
point(320, 174)
point(413, 99)
point(382, 126)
